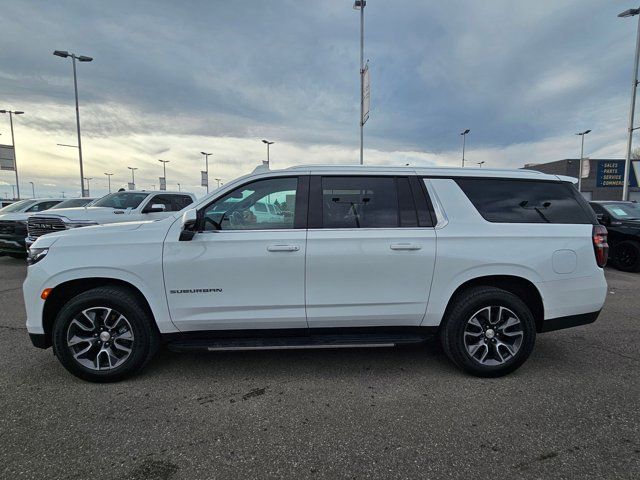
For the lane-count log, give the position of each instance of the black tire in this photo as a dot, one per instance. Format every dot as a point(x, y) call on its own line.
point(626, 256)
point(460, 312)
point(18, 255)
point(146, 336)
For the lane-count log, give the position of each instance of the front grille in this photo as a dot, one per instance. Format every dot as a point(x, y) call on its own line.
point(39, 226)
point(7, 227)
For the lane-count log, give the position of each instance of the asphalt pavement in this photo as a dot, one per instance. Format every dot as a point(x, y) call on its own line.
point(572, 411)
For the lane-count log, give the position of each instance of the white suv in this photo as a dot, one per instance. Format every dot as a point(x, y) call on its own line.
point(125, 206)
point(361, 256)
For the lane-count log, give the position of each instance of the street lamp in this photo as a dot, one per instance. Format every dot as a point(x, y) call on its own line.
point(133, 176)
point(218, 180)
point(13, 144)
point(359, 5)
point(268, 144)
point(164, 172)
point(179, 188)
point(109, 177)
point(206, 168)
point(481, 163)
point(33, 190)
point(464, 136)
point(582, 134)
point(80, 58)
point(87, 179)
point(634, 84)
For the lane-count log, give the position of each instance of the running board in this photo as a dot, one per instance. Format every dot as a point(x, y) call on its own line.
point(296, 343)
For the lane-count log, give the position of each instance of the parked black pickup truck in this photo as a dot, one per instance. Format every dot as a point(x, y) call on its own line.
point(622, 220)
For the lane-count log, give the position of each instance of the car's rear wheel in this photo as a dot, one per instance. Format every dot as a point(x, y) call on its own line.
point(104, 335)
point(488, 332)
point(626, 256)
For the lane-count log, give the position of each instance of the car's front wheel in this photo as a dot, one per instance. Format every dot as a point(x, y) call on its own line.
point(104, 335)
point(488, 332)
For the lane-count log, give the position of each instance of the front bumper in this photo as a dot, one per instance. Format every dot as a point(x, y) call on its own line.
point(12, 244)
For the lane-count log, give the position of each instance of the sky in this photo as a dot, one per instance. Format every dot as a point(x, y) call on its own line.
point(171, 79)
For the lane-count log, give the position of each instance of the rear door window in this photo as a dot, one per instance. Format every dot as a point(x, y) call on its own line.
point(359, 202)
point(526, 201)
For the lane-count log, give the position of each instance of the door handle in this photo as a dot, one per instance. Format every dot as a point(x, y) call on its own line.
point(283, 248)
point(405, 246)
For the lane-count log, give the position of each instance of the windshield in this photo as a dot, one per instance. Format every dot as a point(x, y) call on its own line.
point(75, 202)
point(623, 211)
point(121, 200)
point(18, 206)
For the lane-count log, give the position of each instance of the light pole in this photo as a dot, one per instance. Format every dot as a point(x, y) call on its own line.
point(268, 144)
point(206, 167)
point(164, 172)
point(218, 180)
point(133, 176)
point(582, 134)
point(13, 144)
point(33, 190)
point(179, 188)
point(359, 5)
point(80, 58)
point(109, 177)
point(464, 137)
point(13, 192)
point(481, 163)
point(634, 84)
point(88, 179)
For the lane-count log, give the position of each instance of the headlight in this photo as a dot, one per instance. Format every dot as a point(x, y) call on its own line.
point(80, 223)
point(36, 254)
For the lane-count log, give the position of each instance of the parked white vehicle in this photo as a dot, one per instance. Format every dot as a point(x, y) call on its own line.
point(126, 206)
point(365, 256)
point(13, 223)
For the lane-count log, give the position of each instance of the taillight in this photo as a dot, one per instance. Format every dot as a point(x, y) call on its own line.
point(600, 245)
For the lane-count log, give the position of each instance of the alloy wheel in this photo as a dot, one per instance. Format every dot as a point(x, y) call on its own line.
point(493, 335)
point(100, 338)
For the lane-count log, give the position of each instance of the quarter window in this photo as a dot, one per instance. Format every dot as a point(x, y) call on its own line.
point(522, 201)
point(359, 202)
point(260, 205)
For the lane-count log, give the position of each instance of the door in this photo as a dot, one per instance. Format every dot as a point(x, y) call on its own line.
point(371, 251)
point(241, 271)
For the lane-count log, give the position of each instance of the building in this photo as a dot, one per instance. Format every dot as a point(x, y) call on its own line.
point(604, 179)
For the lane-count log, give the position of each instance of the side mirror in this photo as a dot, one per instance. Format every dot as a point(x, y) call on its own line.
point(603, 218)
point(155, 208)
point(189, 224)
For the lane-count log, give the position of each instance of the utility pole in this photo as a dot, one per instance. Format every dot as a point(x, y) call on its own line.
point(81, 58)
point(582, 134)
point(359, 5)
point(206, 168)
point(464, 136)
point(109, 177)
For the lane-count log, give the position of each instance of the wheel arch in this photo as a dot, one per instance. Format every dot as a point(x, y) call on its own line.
point(65, 291)
point(524, 289)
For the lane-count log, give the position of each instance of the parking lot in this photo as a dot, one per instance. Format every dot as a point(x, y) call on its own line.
point(572, 411)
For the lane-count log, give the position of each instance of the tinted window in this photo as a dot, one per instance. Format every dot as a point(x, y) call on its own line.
point(181, 201)
point(521, 201)
point(359, 202)
point(39, 207)
point(17, 206)
point(75, 202)
point(121, 200)
point(623, 211)
point(245, 208)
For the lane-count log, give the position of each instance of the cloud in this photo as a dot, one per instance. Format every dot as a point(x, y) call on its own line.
point(170, 80)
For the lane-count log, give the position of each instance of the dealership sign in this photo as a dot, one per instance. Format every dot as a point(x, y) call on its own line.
point(610, 173)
